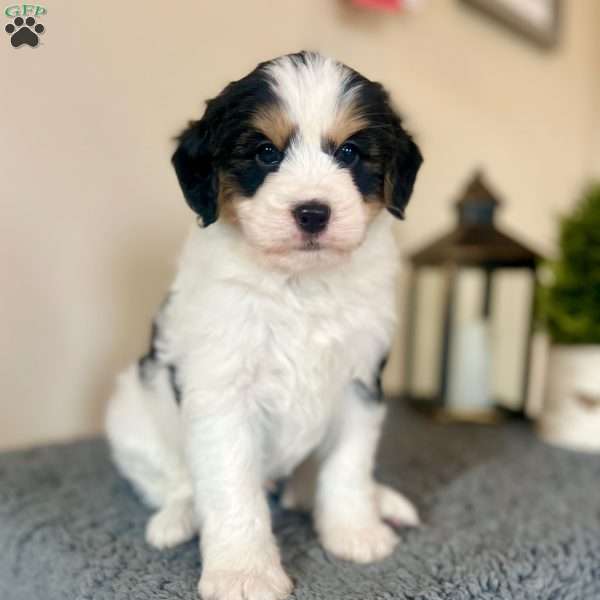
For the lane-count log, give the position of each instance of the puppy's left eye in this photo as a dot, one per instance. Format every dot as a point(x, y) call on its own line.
point(268, 155)
point(347, 154)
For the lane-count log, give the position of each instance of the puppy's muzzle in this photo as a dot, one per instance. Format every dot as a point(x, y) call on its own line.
point(312, 217)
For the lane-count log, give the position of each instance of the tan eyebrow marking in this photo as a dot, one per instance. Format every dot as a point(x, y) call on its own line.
point(347, 122)
point(274, 124)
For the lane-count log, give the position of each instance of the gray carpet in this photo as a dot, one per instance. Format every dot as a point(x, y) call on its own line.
point(506, 517)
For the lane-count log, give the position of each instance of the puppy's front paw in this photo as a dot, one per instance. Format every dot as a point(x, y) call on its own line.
point(173, 524)
point(270, 583)
point(362, 544)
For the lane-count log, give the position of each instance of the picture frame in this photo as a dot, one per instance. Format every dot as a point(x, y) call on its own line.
point(536, 20)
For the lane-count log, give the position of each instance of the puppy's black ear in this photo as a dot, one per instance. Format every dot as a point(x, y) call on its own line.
point(402, 175)
point(197, 174)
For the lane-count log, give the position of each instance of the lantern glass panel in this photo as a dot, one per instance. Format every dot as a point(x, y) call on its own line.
point(511, 314)
point(469, 360)
point(423, 372)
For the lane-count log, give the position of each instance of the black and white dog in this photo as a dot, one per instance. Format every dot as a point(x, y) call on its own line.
point(265, 359)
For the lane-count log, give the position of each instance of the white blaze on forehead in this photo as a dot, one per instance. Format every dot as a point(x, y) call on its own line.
point(313, 92)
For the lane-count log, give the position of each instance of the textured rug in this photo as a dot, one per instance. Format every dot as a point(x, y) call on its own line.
point(505, 517)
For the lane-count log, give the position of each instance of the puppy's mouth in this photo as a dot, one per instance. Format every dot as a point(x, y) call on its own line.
point(316, 245)
point(311, 245)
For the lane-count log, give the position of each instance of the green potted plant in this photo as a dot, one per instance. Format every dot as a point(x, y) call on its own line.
point(570, 306)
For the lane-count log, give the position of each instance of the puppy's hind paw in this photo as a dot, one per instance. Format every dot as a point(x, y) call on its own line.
point(268, 584)
point(395, 508)
point(172, 525)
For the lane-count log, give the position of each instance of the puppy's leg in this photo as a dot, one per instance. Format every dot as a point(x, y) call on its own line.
point(239, 554)
point(299, 494)
point(347, 515)
point(143, 427)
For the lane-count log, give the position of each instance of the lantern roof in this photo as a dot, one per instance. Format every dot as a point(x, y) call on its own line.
point(475, 240)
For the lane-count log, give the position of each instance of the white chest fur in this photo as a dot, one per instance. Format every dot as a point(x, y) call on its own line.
point(314, 343)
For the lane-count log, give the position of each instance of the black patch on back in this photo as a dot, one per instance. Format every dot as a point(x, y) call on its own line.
point(147, 363)
point(174, 383)
point(150, 363)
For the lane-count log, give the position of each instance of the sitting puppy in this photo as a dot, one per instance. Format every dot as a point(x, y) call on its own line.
point(265, 358)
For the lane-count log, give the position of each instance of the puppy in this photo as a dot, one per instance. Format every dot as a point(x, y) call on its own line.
point(265, 357)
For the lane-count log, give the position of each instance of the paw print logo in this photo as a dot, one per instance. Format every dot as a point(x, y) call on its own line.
point(24, 32)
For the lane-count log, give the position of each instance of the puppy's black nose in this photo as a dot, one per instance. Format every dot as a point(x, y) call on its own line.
point(312, 217)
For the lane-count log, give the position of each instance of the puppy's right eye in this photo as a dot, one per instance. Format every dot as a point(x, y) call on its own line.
point(347, 154)
point(268, 155)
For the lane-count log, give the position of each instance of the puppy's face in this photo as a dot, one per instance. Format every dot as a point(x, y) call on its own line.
point(300, 155)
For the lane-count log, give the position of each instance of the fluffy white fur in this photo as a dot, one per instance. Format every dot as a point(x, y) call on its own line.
point(268, 339)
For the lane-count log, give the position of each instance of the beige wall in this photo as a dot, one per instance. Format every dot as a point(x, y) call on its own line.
point(91, 216)
point(595, 148)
